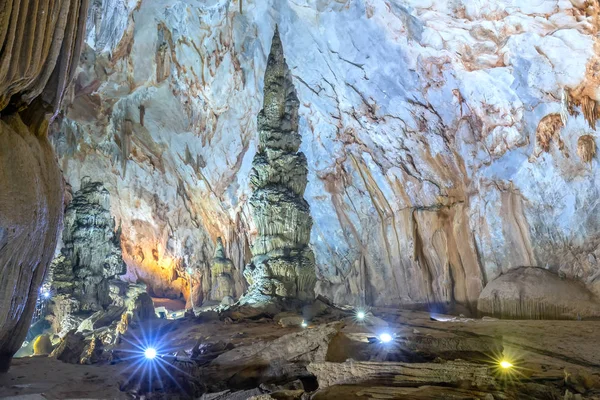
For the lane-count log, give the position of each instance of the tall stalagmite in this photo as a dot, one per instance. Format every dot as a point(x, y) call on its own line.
point(221, 271)
point(39, 51)
point(282, 264)
point(90, 257)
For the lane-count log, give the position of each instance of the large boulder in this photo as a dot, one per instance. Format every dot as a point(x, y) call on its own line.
point(535, 293)
point(42, 345)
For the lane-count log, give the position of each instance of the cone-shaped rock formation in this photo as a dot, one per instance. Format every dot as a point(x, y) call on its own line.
point(282, 263)
point(91, 255)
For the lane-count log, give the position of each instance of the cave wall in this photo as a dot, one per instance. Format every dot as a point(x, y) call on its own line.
point(39, 44)
point(419, 119)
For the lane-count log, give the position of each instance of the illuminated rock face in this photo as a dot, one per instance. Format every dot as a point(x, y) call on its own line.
point(283, 265)
point(39, 52)
point(419, 124)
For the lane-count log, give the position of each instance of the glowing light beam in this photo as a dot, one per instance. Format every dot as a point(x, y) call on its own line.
point(150, 353)
point(147, 364)
point(385, 338)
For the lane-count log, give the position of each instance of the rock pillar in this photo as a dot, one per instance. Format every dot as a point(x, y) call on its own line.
point(282, 263)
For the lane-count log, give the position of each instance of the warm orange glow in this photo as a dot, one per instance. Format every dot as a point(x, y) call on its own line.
point(150, 261)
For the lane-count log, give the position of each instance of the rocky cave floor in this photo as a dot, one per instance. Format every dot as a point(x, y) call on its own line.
point(248, 353)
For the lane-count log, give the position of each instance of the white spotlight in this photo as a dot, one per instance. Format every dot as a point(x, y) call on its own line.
point(360, 315)
point(150, 353)
point(385, 338)
point(46, 295)
point(304, 324)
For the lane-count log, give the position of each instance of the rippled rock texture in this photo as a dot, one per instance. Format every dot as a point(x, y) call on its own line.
point(39, 52)
point(442, 138)
point(283, 265)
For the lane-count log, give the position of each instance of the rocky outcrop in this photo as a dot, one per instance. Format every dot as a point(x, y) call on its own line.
point(535, 293)
point(89, 258)
point(39, 52)
point(221, 273)
point(273, 360)
point(283, 265)
point(452, 373)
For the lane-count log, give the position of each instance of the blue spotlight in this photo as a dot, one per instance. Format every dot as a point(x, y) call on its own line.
point(385, 338)
point(150, 353)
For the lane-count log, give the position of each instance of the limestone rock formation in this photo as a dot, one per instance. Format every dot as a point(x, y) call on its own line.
point(221, 272)
point(418, 121)
point(283, 264)
point(535, 293)
point(90, 257)
point(39, 53)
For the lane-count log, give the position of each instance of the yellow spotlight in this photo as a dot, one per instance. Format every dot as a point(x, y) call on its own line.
point(506, 364)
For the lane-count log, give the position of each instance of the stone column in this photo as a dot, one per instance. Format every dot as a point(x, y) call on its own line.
point(282, 263)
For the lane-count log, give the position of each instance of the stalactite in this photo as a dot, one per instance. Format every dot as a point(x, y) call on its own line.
point(590, 111)
point(564, 106)
point(549, 130)
point(586, 148)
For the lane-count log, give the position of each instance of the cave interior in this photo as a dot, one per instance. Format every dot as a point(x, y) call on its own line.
point(299, 199)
